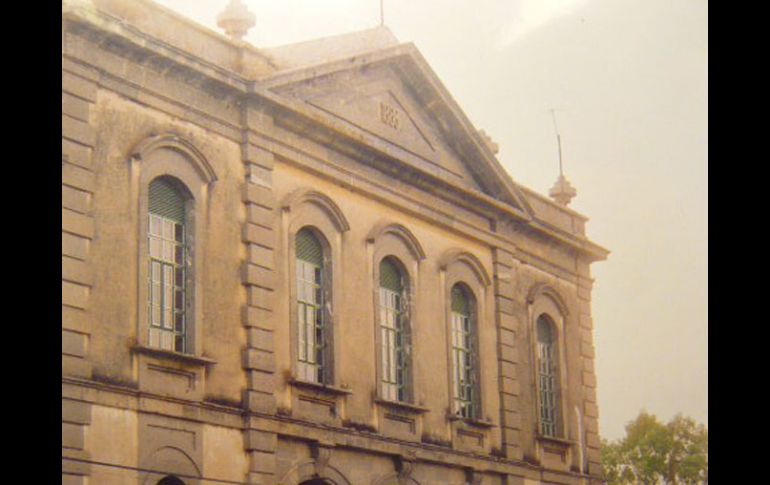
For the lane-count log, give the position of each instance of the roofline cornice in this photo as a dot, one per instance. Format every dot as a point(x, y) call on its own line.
point(103, 24)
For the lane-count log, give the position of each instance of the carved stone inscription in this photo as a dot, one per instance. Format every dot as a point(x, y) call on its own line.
point(389, 115)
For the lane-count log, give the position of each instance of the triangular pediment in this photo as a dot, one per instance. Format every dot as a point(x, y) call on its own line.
point(399, 100)
point(377, 102)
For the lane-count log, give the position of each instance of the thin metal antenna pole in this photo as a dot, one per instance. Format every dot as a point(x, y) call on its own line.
point(382, 12)
point(558, 139)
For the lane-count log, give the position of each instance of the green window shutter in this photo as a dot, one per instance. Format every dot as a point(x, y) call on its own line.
point(390, 276)
point(309, 249)
point(460, 303)
point(166, 200)
point(545, 330)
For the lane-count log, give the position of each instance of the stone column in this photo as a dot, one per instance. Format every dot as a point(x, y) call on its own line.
point(508, 358)
point(79, 88)
point(259, 280)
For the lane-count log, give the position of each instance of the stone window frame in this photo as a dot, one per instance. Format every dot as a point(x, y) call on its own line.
point(309, 209)
point(461, 267)
point(171, 156)
point(394, 241)
point(545, 300)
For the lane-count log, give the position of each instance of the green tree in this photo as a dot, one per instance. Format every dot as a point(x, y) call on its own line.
point(654, 453)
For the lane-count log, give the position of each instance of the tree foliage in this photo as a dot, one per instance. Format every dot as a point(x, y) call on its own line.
point(652, 453)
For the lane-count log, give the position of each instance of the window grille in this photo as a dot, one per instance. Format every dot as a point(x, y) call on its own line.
point(311, 321)
point(463, 355)
point(548, 381)
point(167, 305)
point(393, 332)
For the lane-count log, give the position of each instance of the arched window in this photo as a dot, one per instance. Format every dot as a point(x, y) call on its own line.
point(168, 237)
point(548, 376)
point(313, 332)
point(464, 360)
point(394, 332)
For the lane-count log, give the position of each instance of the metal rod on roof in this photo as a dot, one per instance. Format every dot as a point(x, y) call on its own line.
point(558, 139)
point(382, 12)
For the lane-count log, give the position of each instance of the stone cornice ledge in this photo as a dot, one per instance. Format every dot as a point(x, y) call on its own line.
point(296, 117)
point(108, 26)
point(84, 13)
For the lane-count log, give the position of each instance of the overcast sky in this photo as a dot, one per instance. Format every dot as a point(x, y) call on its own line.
point(628, 79)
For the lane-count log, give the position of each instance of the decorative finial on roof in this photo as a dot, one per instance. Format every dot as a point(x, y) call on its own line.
point(562, 192)
point(236, 19)
point(493, 147)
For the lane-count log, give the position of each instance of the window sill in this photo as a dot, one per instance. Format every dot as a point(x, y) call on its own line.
point(401, 406)
point(316, 386)
point(552, 440)
point(475, 422)
point(176, 356)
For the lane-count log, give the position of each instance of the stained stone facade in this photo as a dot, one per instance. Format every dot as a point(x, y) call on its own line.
point(355, 140)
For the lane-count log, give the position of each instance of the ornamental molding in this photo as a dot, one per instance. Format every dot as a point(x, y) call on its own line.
point(170, 141)
point(454, 256)
point(324, 202)
point(401, 232)
point(544, 289)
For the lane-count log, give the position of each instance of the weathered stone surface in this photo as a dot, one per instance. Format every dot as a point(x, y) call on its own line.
point(74, 246)
point(78, 86)
point(75, 200)
point(75, 412)
point(146, 94)
point(256, 440)
point(259, 235)
point(258, 359)
point(76, 271)
point(75, 107)
point(261, 339)
point(72, 435)
point(77, 131)
point(258, 317)
point(74, 295)
point(77, 177)
point(259, 276)
point(260, 195)
point(73, 343)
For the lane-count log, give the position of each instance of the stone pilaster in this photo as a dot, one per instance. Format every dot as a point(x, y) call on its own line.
point(259, 279)
point(508, 358)
point(588, 378)
point(79, 88)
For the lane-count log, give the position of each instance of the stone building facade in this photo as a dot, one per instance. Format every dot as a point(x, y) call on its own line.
point(304, 265)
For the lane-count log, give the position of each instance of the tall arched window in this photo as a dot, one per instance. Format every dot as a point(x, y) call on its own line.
point(312, 323)
point(548, 376)
point(394, 332)
point(168, 243)
point(464, 367)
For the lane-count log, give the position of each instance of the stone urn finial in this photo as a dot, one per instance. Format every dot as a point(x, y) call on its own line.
point(493, 147)
point(236, 19)
point(562, 192)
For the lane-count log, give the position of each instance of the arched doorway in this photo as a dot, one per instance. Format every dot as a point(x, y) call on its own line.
point(170, 480)
point(316, 481)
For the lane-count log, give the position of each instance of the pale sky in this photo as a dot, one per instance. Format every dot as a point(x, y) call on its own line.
point(629, 81)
